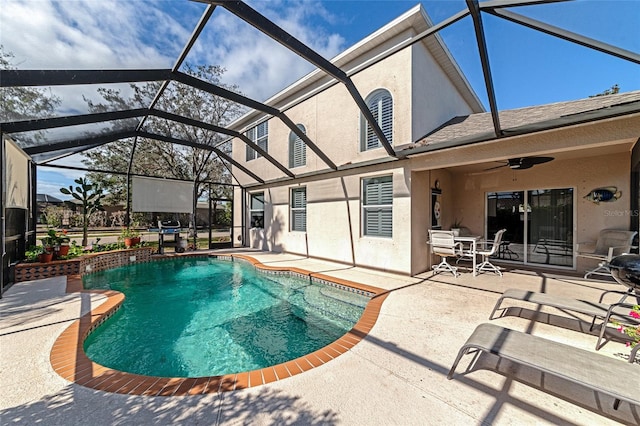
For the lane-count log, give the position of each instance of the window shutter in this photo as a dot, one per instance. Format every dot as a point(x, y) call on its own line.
point(378, 222)
point(377, 206)
point(299, 220)
point(380, 104)
point(386, 120)
point(297, 149)
point(260, 136)
point(299, 209)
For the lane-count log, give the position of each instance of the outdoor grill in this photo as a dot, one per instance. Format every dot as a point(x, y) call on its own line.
point(626, 270)
point(170, 227)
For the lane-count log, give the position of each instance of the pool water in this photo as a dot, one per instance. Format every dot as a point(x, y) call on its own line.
point(195, 317)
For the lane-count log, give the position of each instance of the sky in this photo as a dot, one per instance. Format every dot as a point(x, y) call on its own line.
point(529, 68)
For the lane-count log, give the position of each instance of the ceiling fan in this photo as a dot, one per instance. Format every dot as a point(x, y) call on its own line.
point(522, 163)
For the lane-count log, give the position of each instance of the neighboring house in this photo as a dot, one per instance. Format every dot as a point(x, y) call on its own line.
point(43, 201)
point(375, 210)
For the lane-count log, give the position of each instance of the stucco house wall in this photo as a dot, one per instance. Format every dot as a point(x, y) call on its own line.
point(332, 121)
point(589, 156)
point(428, 90)
point(435, 99)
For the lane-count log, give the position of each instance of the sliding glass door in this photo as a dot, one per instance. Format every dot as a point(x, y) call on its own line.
point(539, 225)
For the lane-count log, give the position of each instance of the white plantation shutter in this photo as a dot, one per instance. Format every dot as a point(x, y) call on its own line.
point(299, 209)
point(297, 149)
point(251, 153)
point(260, 135)
point(380, 104)
point(377, 202)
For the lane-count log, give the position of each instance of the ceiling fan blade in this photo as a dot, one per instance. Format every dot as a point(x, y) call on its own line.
point(539, 160)
point(527, 162)
point(496, 167)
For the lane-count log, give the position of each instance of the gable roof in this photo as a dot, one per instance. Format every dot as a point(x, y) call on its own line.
point(46, 198)
point(473, 128)
point(396, 35)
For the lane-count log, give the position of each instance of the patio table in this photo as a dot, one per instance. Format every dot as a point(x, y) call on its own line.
point(473, 240)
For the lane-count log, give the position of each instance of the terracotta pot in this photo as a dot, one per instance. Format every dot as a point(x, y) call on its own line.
point(128, 242)
point(45, 257)
point(135, 241)
point(62, 251)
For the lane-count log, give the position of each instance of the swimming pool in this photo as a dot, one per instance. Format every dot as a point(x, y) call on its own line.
point(193, 317)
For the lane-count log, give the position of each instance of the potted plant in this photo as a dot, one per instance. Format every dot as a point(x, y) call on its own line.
point(130, 237)
point(33, 254)
point(455, 226)
point(45, 251)
point(56, 242)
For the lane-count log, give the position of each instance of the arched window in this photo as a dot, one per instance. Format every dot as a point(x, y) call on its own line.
point(297, 149)
point(380, 104)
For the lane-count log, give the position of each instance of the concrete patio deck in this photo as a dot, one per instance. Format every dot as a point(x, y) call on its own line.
point(395, 376)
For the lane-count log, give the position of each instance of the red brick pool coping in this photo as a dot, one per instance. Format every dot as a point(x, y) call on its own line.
point(70, 362)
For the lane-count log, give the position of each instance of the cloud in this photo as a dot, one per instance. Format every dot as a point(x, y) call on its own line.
point(111, 34)
point(116, 34)
point(258, 64)
point(50, 180)
point(91, 34)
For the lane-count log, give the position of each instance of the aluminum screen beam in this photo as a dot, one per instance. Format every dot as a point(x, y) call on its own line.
point(73, 120)
point(218, 129)
point(260, 22)
point(201, 146)
point(484, 60)
point(84, 169)
point(18, 78)
point(514, 3)
point(84, 142)
point(46, 157)
point(222, 92)
point(183, 55)
point(567, 35)
point(302, 135)
point(243, 100)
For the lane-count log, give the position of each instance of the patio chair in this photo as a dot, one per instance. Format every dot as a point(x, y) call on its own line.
point(610, 243)
point(443, 245)
point(487, 249)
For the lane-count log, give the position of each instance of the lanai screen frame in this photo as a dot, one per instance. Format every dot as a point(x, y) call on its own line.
point(24, 78)
point(45, 153)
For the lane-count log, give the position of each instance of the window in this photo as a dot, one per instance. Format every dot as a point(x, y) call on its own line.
point(260, 135)
point(299, 209)
point(380, 104)
point(257, 210)
point(377, 201)
point(297, 149)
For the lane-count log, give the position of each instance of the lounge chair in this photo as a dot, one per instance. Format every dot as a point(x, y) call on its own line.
point(601, 373)
point(618, 311)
